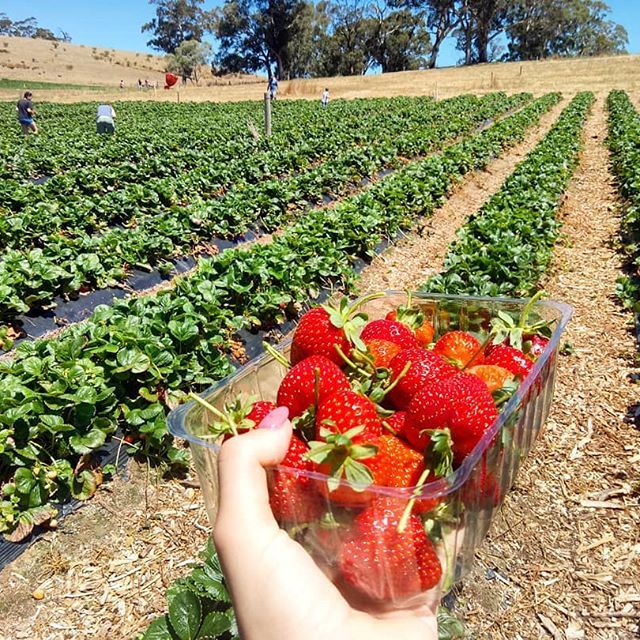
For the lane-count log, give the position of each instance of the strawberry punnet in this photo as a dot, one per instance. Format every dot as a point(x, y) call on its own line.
point(384, 563)
point(308, 383)
point(511, 359)
point(460, 348)
point(461, 403)
point(425, 368)
point(293, 496)
point(389, 330)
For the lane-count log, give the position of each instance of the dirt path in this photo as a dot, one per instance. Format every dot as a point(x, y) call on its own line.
point(420, 254)
point(565, 552)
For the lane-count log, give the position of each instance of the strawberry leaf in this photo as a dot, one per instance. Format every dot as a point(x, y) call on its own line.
point(358, 474)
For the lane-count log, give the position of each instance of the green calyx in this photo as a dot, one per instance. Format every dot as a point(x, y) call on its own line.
point(505, 326)
point(347, 317)
point(439, 452)
point(232, 419)
point(410, 315)
point(339, 452)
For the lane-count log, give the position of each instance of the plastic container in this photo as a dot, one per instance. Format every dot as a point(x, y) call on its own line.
point(455, 511)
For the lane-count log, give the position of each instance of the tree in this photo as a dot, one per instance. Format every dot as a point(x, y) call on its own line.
point(480, 22)
point(175, 22)
point(399, 40)
point(27, 28)
point(188, 58)
point(541, 28)
point(257, 34)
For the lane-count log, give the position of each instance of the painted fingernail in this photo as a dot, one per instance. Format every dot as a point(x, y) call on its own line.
point(275, 419)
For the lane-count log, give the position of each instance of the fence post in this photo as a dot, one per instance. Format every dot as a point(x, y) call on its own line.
point(267, 114)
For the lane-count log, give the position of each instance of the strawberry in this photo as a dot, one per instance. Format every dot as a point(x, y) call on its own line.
point(461, 403)
point(344, 410)
point(382, 351)
point(425, 368)
point(325, 329)
point(396, 423)
point(460, 348)
point(492, 375)
point(298, 389)
point(292, 495)
point(389, 330)
point(403, 464)
point(259, 411)
point(482, 489)
point(534, 345)
point(511, 359)
point(414, 319)
point(384, 563)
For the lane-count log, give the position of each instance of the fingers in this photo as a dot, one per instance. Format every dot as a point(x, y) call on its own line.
point(244, 499)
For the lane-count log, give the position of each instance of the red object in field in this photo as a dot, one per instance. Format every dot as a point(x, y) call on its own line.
point(169, 80)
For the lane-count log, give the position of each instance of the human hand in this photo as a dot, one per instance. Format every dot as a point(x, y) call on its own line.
point(277, 589)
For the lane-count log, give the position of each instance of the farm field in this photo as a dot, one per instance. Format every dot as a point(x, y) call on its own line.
point(499, 194)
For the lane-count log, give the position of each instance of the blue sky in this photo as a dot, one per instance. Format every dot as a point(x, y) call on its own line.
point(116, 23)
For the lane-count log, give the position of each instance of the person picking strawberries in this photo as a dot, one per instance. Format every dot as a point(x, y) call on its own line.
point(277, 589)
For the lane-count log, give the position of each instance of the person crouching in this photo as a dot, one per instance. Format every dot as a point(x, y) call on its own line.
point(105, 121)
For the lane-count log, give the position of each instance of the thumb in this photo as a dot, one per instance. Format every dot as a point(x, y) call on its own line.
point(244, 499)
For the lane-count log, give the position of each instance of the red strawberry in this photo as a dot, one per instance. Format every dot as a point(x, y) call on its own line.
point(382, 351)
point(534, 345)
point(493, 376)
point(391, 331)
point(316, 335)
point(426, 367)
point(511, 359)
point(422, 328)
point(297, 390)
point(461, 403)
point(385, 564)
point(324, 329)
point(260, 410)
point(293, 496)
point(345, 410)
point(396, 422)
point(460, 348)
point(402, 467)
point(482, 489)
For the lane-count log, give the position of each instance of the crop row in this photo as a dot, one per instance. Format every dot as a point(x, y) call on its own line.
point(128, 364)
point(67, 264)
point(104, 193)
point(624, 146)
point(506, 246)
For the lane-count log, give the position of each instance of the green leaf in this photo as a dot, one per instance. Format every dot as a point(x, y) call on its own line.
point(358, 473)
point(24, 481)
point(185, 614)
point(132, 360)
point(158, 630)
point(88, 442)
point(215, 624)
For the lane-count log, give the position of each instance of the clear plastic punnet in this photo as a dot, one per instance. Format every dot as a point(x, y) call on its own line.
point(455, 511)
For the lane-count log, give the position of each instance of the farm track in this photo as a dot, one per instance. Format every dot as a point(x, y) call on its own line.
point(135, 526)
point(564, 552)
point(409, 262)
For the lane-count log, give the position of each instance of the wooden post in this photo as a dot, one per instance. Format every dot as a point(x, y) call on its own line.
point(436, 92)
point(178, 96)
point(520, 70)
point(492, 80)
point(267, 114)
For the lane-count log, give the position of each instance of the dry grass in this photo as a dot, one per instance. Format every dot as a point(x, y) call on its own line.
point(569, 76)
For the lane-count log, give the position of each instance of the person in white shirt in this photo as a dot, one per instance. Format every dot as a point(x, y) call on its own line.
point(105, 119)
point(325, 98)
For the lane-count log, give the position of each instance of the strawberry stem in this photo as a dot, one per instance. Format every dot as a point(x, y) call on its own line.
point(276, 355)
point(350, 363)
point(387, 426)
point(216, 412)
point(527, 308)
point(480, 350)
point(402, 525)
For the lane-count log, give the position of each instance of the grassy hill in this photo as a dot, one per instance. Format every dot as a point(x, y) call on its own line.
point(75, 69)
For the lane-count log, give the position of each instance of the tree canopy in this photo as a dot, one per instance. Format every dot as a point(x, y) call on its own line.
point(302, 38)
point(28, 28)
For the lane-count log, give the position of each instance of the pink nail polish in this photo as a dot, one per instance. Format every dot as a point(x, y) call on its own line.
point(275, 419)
